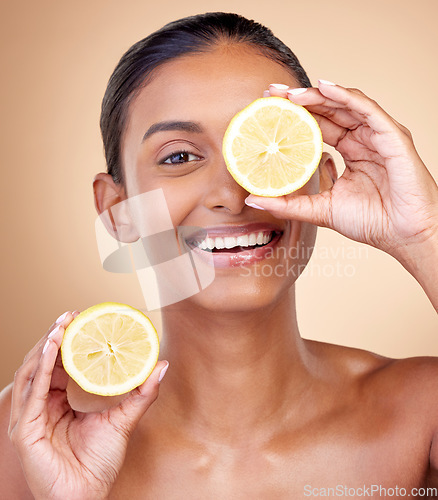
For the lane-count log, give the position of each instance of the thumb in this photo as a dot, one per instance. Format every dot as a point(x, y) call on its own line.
point(129, 411)
point(315, 208)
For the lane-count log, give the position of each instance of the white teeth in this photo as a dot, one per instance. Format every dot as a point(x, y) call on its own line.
point(245, 240)
point(219, 243)
point(230, 242)
point(260, 239)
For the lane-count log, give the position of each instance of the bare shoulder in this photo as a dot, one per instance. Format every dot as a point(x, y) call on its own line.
point(414, 384)
point(368, 365)
point(410, 387)
point(408, 382)
point(406, 387)
point(403, 383)
point(11, 475)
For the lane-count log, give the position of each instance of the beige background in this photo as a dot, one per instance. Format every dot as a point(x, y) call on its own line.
point(56, 57)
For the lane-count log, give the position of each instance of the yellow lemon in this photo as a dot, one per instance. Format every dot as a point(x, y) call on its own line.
point(110, 349)
point(272, 147)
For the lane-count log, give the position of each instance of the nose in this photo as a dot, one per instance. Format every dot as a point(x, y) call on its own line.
point(223, 193)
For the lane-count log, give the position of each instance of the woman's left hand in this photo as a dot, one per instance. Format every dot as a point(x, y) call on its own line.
point(386, 197)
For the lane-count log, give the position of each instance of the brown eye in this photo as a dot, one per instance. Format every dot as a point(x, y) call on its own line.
point(180, 157)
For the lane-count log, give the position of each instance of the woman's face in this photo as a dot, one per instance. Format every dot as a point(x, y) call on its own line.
point(186, 162)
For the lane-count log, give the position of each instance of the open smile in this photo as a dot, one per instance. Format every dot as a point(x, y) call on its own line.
point(236, 245)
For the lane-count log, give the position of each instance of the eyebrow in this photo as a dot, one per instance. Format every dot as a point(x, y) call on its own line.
point(173, 125)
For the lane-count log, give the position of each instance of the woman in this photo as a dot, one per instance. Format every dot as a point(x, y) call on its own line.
point(248, 408)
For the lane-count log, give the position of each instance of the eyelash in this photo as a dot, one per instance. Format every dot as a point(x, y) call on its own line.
point(176, 153)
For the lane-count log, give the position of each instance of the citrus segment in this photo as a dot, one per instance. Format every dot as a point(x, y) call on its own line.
point(110, 349)
point(272, 147)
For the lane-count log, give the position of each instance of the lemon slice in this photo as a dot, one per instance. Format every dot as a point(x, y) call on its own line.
point(272, 147)
point(110, 348)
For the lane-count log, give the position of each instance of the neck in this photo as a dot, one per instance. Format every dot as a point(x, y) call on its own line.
point(231, 371)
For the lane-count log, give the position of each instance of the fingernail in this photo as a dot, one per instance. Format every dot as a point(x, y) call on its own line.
point(163, 372)
point(266, 93)
point(54, 332)
point(279, 86)
point(62, 317)
point(296, 91)
point(326, 82)
point(46, 345)
point(253, 205)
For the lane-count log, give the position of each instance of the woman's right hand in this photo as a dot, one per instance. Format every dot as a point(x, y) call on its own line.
point(65, 453)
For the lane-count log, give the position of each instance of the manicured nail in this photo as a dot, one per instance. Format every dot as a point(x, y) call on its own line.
point(326, 82)
point(163, 372)
point(266, 93)
point(46, 345)
point(54, 332)
point(296, 91)
point(279, 86)
point(62, 317)
point(253, 205)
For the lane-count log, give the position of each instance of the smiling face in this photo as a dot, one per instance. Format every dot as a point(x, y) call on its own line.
point(173, 141)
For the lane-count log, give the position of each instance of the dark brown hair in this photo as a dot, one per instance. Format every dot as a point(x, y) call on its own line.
point(192, 34)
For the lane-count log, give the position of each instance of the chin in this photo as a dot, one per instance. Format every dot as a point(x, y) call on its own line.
point(244, 293)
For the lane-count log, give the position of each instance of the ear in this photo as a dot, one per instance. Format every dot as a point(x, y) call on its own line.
point(111, 203)
point(327, 172)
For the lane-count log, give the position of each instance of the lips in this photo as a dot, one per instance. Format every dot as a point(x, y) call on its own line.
point(235, 245)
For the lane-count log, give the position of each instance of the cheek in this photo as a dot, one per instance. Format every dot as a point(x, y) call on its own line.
point(308, 238)
point(300, 248)
point(303, 234)
point(181, 194)
point(182, 198)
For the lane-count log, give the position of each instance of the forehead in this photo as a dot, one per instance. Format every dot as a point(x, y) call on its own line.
point(207, 87)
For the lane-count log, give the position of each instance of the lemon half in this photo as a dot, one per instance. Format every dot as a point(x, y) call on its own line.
point(110, 348)
point(272, 147)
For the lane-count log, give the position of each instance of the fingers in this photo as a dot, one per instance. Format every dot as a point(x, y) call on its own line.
point(125, 416)
point(64, 320)
point(316, 102)
point(25, 375)
point(346, 107)
point(24, 382)
point(36, 402)
point(31, 419)
point(338, 110)
point(315, 209)
point(359, 105)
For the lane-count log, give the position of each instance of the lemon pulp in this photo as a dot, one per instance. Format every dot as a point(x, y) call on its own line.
point(272, 147)
point(110, 349)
